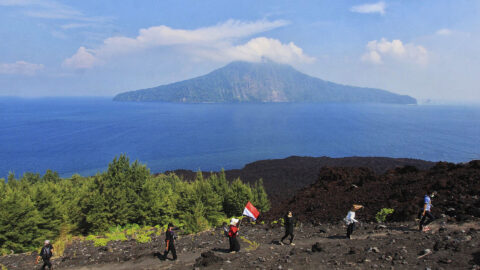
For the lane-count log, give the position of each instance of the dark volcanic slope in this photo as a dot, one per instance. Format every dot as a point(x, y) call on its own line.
point(261, 82)
point(283, 177)
point(402, 189)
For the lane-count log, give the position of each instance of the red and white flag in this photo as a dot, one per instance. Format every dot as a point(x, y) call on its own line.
point(251, 211)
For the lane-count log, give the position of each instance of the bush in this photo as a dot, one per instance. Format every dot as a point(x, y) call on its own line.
point(100, 242)
point(252, 245)
point(143, 238)
point(381, 216)
point(90, 238)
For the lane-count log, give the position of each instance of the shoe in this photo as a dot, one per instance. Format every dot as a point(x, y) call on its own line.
point(233, 252)
point(292, 244)
point(426, 229)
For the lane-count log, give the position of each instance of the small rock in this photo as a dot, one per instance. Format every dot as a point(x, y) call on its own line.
point(317, 247)
point(322, 230)
point(425, 251)
point(445, 261)
point(380, 227)
point(466, 238)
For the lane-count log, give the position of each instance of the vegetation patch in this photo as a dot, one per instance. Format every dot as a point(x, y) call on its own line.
point(34, 208)
point(381, 216)
point(252, 245)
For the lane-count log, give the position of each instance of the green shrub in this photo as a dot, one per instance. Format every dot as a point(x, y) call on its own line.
point(90, 238)
point(116, 236)
point(252, 245)
point(100, 242)
point(143, 238)
point(381, 216)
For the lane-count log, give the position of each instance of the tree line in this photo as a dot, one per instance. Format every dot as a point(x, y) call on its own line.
point(34, 207)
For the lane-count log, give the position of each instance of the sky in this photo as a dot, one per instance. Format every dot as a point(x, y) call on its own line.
point(429, 49)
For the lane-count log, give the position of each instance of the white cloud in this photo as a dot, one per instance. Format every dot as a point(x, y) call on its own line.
point(377, 51)
point(444, 32)
point(50, 9)
point(370, 8)
point(82, 59)
point(259, 48)
point(213, 42)
point(20, 67)
point(76, 25)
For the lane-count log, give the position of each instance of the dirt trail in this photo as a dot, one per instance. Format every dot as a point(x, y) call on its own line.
point(372, 246)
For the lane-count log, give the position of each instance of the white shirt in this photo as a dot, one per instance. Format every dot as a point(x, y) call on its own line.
point(350, 217)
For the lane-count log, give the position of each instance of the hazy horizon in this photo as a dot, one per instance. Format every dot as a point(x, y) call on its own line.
point(428, 50)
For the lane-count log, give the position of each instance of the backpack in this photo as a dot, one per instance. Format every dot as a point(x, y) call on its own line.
point(46, 252)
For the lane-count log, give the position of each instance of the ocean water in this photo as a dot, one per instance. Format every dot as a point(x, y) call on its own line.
point(82, 135)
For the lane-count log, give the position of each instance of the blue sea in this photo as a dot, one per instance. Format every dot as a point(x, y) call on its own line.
point(82, 135)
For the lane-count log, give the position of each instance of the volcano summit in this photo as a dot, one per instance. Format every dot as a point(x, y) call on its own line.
point(242, 82)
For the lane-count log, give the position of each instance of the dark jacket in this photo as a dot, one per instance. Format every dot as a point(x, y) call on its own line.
point(46, 252)
point(289, 223)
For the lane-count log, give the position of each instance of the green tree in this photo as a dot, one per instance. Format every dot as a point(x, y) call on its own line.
point(51, 176)
point(159, 200)
point(46, 200)
point(260, 197)
point(237, 197)
point(211, 201)
point(115, 195)
point(19, 222)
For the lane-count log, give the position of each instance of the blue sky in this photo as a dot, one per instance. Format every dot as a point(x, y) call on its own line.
point(429, 49)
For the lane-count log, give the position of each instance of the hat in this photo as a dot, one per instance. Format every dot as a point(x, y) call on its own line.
point(357, 206)
point(234, 221)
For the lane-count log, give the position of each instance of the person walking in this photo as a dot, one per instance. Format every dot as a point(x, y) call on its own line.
point(350, 219)
point(426, 212)
point(170, 238)
point(232, 236)
point(289, 223)
point(46, 253)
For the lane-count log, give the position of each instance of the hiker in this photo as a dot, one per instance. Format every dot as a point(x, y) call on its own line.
point(426, 213)
point(170, 238)
point(232, 236)
point(46, 253)
point(350, 219)
point(289, 223)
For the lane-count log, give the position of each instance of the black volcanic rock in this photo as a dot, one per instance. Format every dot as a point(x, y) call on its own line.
point(261, 82)
point(331, 196)
point(283, 177)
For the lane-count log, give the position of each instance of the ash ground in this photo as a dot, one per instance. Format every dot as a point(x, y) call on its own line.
point(447, 245)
